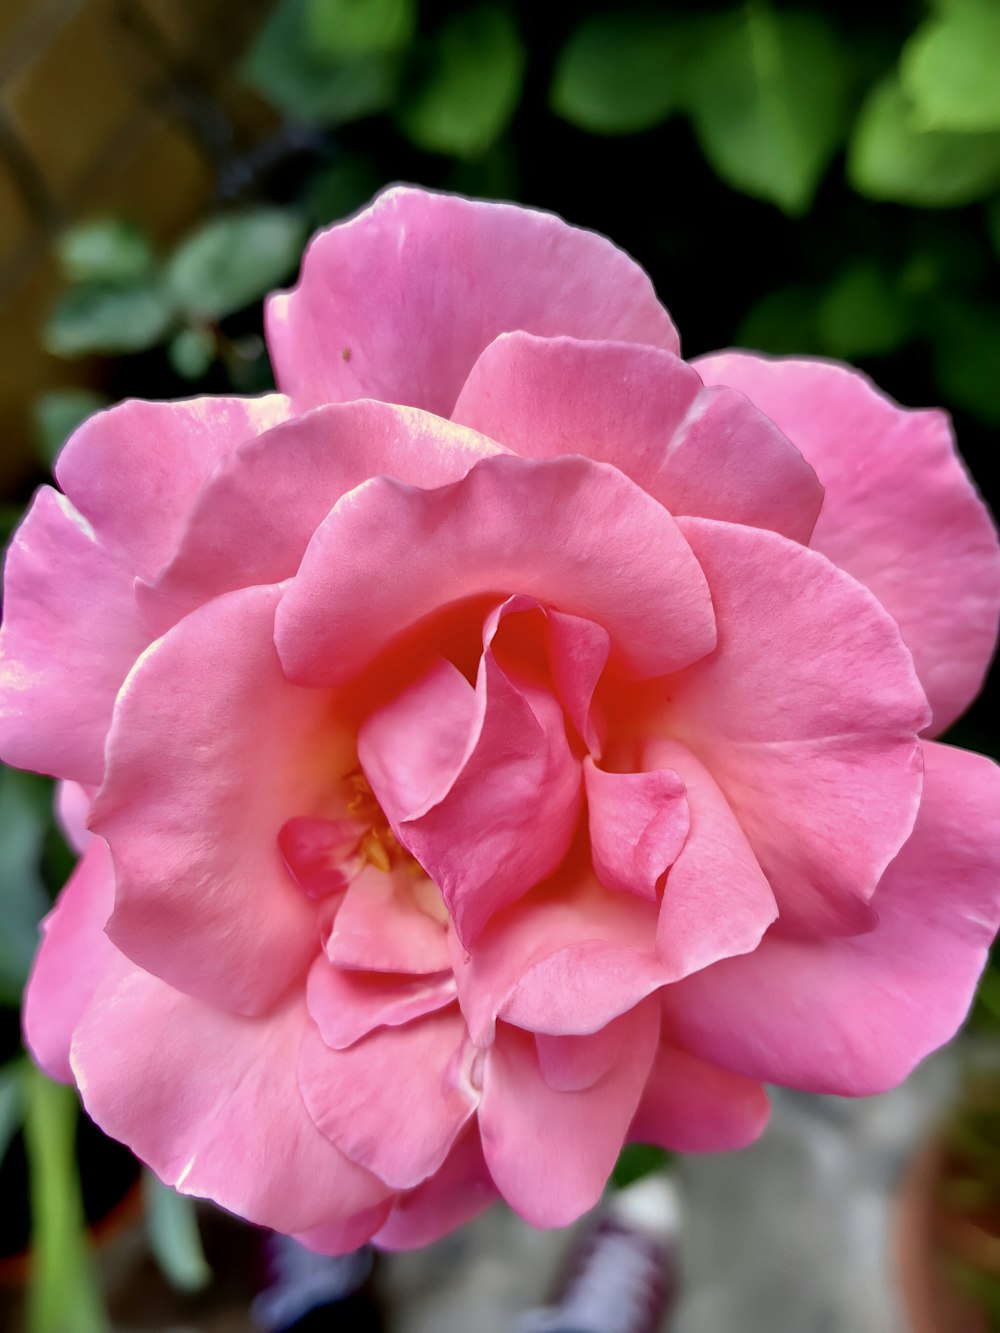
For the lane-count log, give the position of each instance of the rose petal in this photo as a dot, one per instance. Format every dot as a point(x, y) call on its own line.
point(458, 1192)
point(255, 515)
point(387, 923)
point(134, 470)
point(345, 1236)
point(900, 514)
point(209, 1101)
point(346, 1006)
point(706, 452)
point(550, 1153)
point(71, 631)
point(211, 750)
point(562, 530)
point(571, 1064)
point(395, 1102)
point(72, 809)
point(638, 823)
point(366, 318)
point(824, 780)
point(73, 955)
point(855, 1015)
point(690, 1106)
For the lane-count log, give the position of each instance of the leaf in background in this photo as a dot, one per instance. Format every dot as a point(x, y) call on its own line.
point(108, 251)
point(339, 190)
point(637, 1160)
point(63, 1295)
point(625, 71)
point(783, 323)
point(888, 158)
point(950, 68)
point(25, 813)
point(172, 1227)
point(234, 260)
point(863, 313)
point(769, 103)
point(966, 342)
point(96, 317)
point(12, 1077)
point(359, 27)
point(191, 352)
point(55, 416)
point(307, 84)
point(470, 84)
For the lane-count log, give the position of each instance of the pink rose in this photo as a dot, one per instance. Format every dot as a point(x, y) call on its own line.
point(501, 745)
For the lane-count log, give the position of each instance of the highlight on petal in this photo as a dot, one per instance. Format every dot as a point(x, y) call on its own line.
point(706, 452)
point(564, 531)
point(365, 320)
point(210, 752)
point(396, 1101)
point(551, 1152)
point(690, 1106)
point(760, 713)
point(900, 514)
point(256, 513)
point(71, 961)
point(212, 1105)
point(71, 632)
point(638, 824)
point(854, 1016)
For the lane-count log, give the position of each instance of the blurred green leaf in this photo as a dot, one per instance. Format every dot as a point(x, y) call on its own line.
point(108, 319)
point(191, 352)
point(359, 27)
point(966, 338)
point(63, 1295)
point(56, 415)
point(890, 159)
point(11, 1101)
point(469, 86)
point(107, 250)
point(308, 84)
point(950, 68)
point(863, 313)
point(625, 71)
point(25, 812)
point(769, 103)
point(339, 190)
point(637, 1160)
point(234, 260)
point(783, 323)
point(172, 1226)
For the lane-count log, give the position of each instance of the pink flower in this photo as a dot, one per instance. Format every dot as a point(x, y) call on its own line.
point(505, 743)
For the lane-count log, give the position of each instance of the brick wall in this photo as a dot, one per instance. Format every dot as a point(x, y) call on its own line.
point(106, 107)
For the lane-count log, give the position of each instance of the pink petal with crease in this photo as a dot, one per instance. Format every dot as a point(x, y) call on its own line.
point(458, 1192)
point(690, 1106)
point(346, 1006)
point(638, 823)
point(383, 925)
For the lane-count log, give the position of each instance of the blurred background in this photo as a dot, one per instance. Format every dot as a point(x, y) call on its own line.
point(819, 177)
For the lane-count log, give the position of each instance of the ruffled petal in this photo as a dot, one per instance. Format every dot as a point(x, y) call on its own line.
point(346, 1006)
point(551, 1152)
point(574, 534)
point(71, 632)
point(72, 958)
point(806, 716)
point(365, 320)
point(458, 1192)
point(396, 1101)
point(900, 513)
point(690, 1106)
point(855, 1015)
point(210, 752)
point(706, 452)
point(638, 823)
point(209, 1100)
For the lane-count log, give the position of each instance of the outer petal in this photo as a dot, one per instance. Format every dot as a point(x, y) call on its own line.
point(397, 303)
point(707, 452)
point(210, 752)
point(638, 823)
point(455, 1194)
point(551, 1152)
point(210, 1101)
point(574, 534)
point(507, 812)
point(134, 470)
point(900, 514)
point(395, 1102)
point(690, 1106)
point(346, 1006)
point(71, 960)
point(255, 515)
point(72, 810)
point(71, 633)
point(806, 716)
point(855, 1015)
